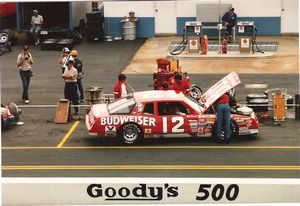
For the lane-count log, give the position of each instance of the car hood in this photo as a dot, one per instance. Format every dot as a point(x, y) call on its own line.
point(218, 89)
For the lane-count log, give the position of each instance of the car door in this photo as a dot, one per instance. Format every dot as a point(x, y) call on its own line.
point(175, 118)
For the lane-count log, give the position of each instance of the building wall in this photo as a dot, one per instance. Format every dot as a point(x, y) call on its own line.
point(266, 14)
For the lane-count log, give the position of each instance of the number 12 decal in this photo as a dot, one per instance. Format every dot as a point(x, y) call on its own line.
point(176, 128)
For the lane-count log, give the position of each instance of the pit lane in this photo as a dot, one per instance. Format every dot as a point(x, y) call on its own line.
point(67, 150)
point(41, 148)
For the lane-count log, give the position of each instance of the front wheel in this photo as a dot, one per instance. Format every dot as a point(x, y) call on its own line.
point(196, 92)
point(131, 134)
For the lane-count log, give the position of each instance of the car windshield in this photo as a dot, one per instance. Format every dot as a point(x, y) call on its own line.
point(194, 104)
point(121, 106)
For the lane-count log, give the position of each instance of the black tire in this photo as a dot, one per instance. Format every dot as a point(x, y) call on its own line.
point(262, 105)
point(233, 128)
point(196, 92)
point(11, 36)
point(256, 96)
point(131, 133)
point(4, 37)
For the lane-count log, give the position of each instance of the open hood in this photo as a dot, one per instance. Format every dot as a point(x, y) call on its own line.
point(218, 89)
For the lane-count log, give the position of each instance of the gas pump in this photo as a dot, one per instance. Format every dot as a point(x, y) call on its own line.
point(193, 30)
point(247, 31)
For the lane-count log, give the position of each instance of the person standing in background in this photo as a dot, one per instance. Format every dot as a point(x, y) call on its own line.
point(64, 58)
point(78, 65)
point(24, 64)
point(36, 25)
point(229, 18)
point(70, 78)
point(120, 88)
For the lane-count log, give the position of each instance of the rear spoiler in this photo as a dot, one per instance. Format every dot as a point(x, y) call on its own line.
point(218, 89)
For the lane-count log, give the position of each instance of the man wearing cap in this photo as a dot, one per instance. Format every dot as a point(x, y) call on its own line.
point(64, 58)
point(229, 18)
point(70, 77)
point(78, 65)
point(36, 22)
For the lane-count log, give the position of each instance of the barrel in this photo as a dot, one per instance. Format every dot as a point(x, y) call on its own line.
point(129, 30)
point(94, 95)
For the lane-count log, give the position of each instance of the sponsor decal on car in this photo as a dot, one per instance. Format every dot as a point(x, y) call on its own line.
point(148, 131)
point(115, 120)
point(110, 130)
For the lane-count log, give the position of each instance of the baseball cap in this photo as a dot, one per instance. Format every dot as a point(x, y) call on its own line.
point(35, 11)
point(66, 49)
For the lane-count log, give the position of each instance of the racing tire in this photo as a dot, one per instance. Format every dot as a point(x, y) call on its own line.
point(11, 36)
point(233, 129)
point(4, 37)
point(131, 133)
point(262, 105)
point(249, 97)
point(196, 92)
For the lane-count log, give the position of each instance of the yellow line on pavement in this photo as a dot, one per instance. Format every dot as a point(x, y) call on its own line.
point(152, 147)
point(151, 167)
point(68, 134)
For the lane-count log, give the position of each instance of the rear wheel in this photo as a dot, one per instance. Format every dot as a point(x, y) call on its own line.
point(234, 131)
point(131, 133)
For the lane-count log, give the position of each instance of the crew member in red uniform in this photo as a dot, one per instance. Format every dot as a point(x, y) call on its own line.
point(181, 85)
point(223, 118)
point(172, 79)
point(120, 88)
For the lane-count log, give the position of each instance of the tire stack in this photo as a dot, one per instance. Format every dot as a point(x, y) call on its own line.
point(258, 102)
point(95, 26)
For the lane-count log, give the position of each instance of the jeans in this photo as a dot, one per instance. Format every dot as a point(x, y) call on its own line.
point(35, 31)
point(223, 121)
point(80, 88)
point(228, 31)
point(25, 77)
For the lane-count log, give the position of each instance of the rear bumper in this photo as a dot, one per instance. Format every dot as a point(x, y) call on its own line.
point(88, 126)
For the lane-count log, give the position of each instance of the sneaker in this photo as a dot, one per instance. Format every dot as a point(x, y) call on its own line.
point(26, 101)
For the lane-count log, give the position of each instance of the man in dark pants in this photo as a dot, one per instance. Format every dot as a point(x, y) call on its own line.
point(24, 63)
point(78, 65)
point(229, 18)
point(70, 77)
point(223, 118)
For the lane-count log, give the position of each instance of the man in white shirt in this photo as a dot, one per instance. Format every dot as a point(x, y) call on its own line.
point(36, 22)
point(70, 77)
point(24, 64)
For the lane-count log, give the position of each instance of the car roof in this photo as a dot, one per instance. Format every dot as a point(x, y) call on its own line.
point(158, 95)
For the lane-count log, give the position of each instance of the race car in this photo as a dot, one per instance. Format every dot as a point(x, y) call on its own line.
point(156, 114)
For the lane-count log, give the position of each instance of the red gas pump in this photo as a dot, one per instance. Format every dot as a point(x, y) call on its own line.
point(224, 47)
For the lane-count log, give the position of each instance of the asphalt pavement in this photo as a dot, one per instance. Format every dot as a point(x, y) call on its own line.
point(41, 148)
